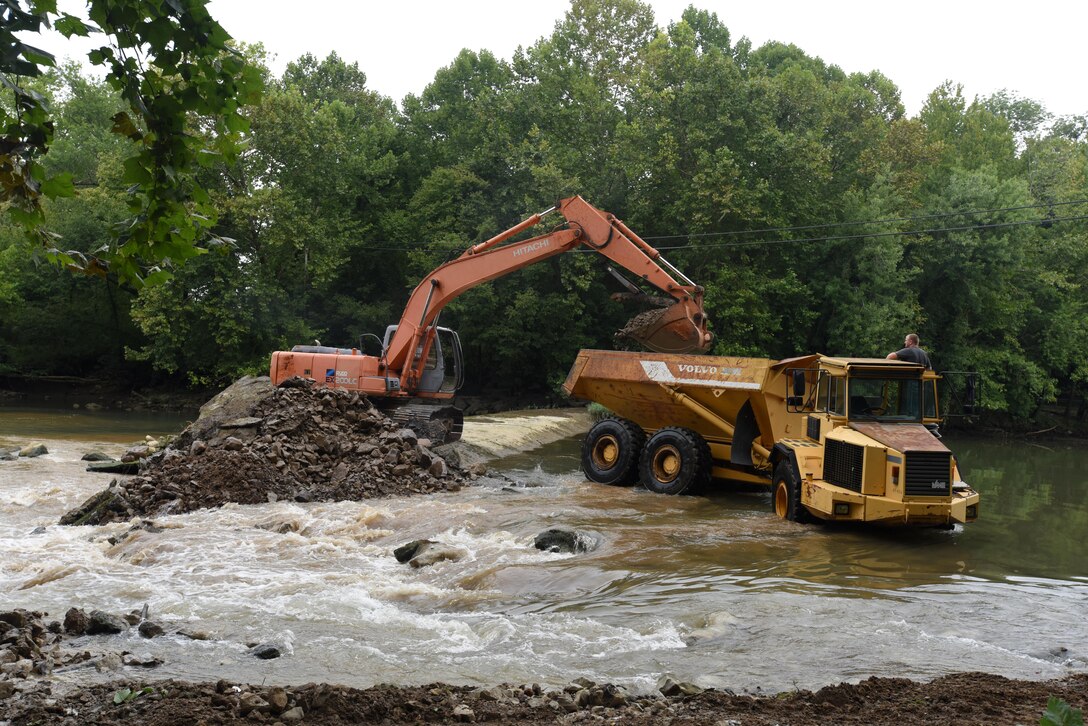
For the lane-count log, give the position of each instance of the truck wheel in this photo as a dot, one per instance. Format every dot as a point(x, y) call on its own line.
point(610, 452)
point(674, 462)
point(786, 498)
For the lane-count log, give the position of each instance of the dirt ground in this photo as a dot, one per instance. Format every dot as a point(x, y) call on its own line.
point(966, 698)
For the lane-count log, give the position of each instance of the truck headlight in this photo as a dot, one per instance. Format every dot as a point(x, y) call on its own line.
point(842, 508)
point(972, 511)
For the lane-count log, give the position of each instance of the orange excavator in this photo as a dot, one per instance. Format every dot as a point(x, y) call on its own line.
point(420, 364)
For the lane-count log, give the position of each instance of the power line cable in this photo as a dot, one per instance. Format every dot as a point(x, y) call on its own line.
point(864, 235)
point(871, 221)
point(1042, 220)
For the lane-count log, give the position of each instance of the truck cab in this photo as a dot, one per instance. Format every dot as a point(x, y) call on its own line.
point(872, 450)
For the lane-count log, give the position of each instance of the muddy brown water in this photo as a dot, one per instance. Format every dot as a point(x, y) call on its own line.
point(711, 589)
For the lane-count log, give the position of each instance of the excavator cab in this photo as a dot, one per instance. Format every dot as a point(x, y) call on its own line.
point(444, 370)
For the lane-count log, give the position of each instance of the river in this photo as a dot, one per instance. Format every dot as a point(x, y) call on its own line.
point(713, 590)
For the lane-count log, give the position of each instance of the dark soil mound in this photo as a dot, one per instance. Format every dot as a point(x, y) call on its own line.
point(254, 443)
point(967, 698)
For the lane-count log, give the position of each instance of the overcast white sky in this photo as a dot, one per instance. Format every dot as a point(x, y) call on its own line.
point(1035, 49)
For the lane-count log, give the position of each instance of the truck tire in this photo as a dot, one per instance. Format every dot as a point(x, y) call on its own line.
point(786, 495)
point(610, 452)
point(674, 461)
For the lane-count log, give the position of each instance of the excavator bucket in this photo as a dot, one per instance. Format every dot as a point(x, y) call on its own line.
point(679, 328)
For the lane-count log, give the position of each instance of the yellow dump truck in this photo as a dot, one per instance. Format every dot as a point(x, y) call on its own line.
point(839, 439)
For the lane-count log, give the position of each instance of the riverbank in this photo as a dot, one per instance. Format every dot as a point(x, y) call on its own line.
point(963, 698)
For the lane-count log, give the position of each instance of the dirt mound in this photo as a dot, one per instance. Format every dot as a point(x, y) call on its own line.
point(254, 443)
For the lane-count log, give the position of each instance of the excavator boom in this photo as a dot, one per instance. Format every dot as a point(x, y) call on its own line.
point(410, 365)
point(682, 328)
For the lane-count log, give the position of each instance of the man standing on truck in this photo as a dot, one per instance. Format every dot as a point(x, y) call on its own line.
point(911, 352)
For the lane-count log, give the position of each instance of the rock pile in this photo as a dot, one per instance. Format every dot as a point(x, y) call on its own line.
point(31, 646)
point(254, 443)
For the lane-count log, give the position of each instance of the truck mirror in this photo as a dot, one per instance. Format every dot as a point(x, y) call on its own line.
point(798, 383)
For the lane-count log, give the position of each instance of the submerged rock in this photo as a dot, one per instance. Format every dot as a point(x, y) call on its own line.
point(564, 540)
point(96, 456)
point(29, 452)
point(265, 651)
point(433, 553)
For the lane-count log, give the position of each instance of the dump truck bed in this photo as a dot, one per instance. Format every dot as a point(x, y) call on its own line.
point(704, 393)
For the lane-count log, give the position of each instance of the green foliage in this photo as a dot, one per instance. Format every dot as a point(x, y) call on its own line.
point(1060, 713)
point(182, 89)
point(817, 217)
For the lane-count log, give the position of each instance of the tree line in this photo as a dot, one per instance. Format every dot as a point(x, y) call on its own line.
point(818, 216)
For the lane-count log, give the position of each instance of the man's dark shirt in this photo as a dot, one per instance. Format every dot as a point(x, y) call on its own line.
point(914, 355)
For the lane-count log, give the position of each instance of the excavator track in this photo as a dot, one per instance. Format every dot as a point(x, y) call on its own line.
point(441, 424)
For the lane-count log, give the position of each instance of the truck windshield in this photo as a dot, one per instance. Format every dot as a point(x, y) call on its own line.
point(885, 399)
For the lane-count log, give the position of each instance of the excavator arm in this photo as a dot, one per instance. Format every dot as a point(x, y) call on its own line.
point(683, 327)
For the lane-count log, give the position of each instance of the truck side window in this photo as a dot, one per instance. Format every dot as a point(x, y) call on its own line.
point(836, 398)
point(929, 399)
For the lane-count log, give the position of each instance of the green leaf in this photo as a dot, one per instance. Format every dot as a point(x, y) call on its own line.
point(59, 185)
point(37, 55)
point(69, 25)
point(1060, 713)
point(158, 277)
point(122, 695)
point(136, 172)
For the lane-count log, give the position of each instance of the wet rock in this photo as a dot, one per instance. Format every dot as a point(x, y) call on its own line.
point(234, 402)
point(109, 662)
point(233, 443)
point(7, 690)
point(75, 622)
point(671, 688)
point(100, 508)
point(195, 634)
point(16, 618)
point(103, 623)
point(408, 551)
point(432, 553)
point(33, 450)
point(9, 455)
point(460, 454)
point(563, 540)
point(150, 629)
point(142, 660)
point(265, 651)
point(198, 447)
point(96, 456)
point(114, 467)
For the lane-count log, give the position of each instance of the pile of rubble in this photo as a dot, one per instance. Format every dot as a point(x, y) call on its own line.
point(255, 443)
